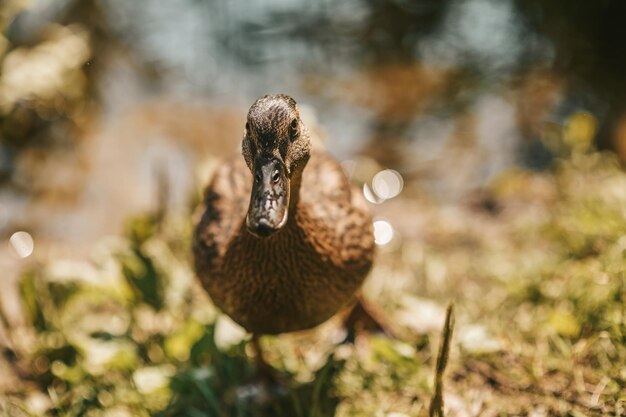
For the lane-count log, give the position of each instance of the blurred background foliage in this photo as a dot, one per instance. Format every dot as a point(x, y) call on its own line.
point(503, 122)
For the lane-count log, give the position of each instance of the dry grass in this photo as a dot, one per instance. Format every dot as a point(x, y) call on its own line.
point(538, 278)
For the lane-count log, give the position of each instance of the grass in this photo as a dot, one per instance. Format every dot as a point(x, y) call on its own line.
point(436, 403)
point(539, 288)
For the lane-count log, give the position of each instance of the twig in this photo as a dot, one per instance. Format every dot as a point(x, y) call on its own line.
point(162, 192)
point(436, 403)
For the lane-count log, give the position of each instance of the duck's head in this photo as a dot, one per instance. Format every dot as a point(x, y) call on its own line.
point(276, 147)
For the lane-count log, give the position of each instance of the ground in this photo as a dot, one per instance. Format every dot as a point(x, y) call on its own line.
point(534, 264)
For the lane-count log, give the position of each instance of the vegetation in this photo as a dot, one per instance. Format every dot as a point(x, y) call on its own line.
point(539, 284)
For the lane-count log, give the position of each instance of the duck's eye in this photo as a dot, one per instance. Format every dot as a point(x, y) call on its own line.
point(276, 177)
point(293, 129)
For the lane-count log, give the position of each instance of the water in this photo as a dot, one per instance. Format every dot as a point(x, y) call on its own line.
point(424, 88)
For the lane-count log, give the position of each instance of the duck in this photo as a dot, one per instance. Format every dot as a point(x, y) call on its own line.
point(284, 240)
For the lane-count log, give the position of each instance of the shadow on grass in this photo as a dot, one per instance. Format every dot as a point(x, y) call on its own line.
point(222, 383)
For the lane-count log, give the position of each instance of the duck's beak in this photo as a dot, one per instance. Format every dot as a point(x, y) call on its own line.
point(269, 200)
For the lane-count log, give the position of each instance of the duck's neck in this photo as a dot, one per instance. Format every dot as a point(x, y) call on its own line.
point(294, 193)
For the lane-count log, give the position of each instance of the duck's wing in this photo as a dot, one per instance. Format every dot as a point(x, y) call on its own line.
point(222, 214)
point(343, 223)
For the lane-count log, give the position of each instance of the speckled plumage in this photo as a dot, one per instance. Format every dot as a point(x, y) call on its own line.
point(305, 272)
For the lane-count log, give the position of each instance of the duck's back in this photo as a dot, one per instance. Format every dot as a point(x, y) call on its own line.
point(298, 277)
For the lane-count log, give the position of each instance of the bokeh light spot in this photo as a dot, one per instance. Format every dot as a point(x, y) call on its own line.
point(383, 232)
point(22, 244)
point(370, 195)
point(387, 184)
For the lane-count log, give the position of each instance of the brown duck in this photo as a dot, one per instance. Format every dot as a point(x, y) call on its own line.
point(284, 241)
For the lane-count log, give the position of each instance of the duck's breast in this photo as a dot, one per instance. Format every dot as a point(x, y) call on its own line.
point(298, 277)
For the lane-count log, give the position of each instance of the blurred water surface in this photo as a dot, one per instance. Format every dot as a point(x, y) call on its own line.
point(104, 103)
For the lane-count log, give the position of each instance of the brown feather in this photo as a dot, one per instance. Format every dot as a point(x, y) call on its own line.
point(301, 275)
